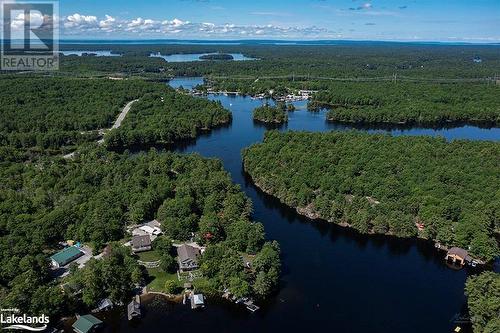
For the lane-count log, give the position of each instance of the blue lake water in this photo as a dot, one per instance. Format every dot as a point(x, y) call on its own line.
point(196, 57)
point(334, 279)
point(96, 53)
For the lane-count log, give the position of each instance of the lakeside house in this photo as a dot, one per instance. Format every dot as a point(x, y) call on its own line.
point(141, 243)
point(459, 255)
point(66, 256)
point(86, 324)
point(187, 257)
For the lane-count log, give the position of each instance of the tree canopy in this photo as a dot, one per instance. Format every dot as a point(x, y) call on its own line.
point(383, 184)
point(483, 297)
point(270, 114)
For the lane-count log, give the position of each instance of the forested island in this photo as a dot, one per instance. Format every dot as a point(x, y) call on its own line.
point(162, 118)
point(483, 292)
point(217, 57)
point(270, 114)
point(387, 185)
point(410, 103)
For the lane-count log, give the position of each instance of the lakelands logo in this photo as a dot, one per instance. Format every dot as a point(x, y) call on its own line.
point(29, 35)
point(11, 319)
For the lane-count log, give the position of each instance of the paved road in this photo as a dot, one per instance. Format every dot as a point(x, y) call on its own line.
point(117, 124)
point(120, 118)
point(123, 114)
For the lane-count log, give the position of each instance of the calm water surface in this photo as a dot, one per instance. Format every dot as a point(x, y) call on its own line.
point(334, 279)
point(196, 57)
point(95, 53)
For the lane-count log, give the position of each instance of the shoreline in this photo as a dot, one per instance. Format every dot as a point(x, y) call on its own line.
point(314, 216)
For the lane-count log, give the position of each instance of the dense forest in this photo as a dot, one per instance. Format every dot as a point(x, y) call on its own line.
point(365, 82)
point(162, 118)
point(217, 56)
point(483, 293)
point(270, 114)
point(343, 59)
point(410, 103)
point(49, 113)
point(384, 184)
point(93, 197)
point(115, 66)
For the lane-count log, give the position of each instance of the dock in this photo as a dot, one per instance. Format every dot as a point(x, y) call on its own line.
point(251, 306)
point(249, 303)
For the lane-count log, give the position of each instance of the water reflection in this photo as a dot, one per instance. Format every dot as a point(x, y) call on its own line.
point(333, 278)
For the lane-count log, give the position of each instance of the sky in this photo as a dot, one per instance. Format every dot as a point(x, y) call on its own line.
point(399, 20)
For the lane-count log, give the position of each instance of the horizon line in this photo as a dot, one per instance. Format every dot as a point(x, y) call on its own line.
point(286, 41)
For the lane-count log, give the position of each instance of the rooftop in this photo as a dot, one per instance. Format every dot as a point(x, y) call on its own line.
point(141, 241)
point(86, 323)
point(456, 251)
point(66, 255)
point(186, 252)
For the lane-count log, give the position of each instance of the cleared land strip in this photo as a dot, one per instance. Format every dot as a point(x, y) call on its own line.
point(120, 118)
point(117, 124)
point(123, 114)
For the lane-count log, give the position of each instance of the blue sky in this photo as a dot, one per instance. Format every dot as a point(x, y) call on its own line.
point(420, 20)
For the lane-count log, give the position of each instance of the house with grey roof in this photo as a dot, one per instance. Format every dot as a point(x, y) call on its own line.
point(187, 257)
point(141, 243)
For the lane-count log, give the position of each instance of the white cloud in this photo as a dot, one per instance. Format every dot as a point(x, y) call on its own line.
point(78, 24)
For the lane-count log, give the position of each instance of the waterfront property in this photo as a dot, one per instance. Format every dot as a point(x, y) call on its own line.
point(141, 243)
point(197, 301)
point(458, 255)
point(86, 324)
point(187, 257)
point(134, 308)
point(66, 256)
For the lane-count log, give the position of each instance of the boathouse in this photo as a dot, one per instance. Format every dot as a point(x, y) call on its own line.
point(197, 301)
point(141, 243)
point(134, 308)
point(187, 257)
point(457, 255)
point(86, 324)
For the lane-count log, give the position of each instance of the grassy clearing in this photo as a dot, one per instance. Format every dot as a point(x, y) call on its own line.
point(158, 279)
point(149, 256)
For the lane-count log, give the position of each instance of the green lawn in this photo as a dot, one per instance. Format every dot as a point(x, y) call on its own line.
point(159, 278)
point(149, 256)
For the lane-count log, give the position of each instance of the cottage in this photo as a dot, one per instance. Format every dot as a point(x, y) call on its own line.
point(197, 301)
point(65, 256)
point(457, 254)
point(151, 230)
point(155, 224)
point(104, 305)
point(187, 257)
point(134, 308)
point(86, 324)
point(141, 243)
